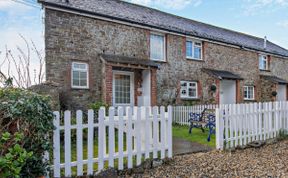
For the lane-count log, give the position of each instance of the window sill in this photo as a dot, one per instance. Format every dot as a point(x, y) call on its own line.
point(193, 59)
point(160, 61)
point(262, 70)
point(250, 100)
point(79, 88)
point(195, 99)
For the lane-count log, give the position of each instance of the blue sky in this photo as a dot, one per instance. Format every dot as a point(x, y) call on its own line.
point(255, 17)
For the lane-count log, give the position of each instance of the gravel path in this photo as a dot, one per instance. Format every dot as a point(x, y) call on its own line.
point(267, 161)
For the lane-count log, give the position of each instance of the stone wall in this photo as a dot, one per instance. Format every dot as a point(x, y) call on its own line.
point(50, 89)
point(76, 38)
point(267, 87)
point(177, 68)
point(71, 38)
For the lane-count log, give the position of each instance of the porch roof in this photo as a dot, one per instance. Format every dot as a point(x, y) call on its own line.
point(274, 79)
point(128, 60)
point(222, 74)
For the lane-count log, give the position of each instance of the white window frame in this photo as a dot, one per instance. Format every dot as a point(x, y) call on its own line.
point(193, 44)
point(164, 47)
point(246, 87)
point(80, 70)
point(187, 90)
point(264, 58)
point(131, 74)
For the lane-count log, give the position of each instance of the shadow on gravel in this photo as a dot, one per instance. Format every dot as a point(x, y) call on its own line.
point(181, 147)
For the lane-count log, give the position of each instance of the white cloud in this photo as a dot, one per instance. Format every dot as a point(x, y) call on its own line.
point(6, 4)
point(283, 24)
point(252, 7)
point(13, 7)
point(168, 4)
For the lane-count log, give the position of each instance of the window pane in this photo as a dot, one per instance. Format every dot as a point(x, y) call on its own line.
point(122, 89)
point(83, 75)
point(79, 66)
point(197, 52)
point(183, 92)
point(192, 92)
point(83, 83)
point(188, 48)
point(245, 92)
point(76, 79)
point(157, 47)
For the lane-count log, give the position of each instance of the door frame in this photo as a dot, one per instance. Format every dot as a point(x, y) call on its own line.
point(127, 73)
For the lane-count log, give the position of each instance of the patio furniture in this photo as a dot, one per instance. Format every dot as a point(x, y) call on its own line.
point(204, 120)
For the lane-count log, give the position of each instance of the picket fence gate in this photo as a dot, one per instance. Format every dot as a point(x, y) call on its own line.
point(240, 124)
point(181, 113)
point(148, 130)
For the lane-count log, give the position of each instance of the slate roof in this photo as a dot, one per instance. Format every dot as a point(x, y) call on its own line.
point(128, 60)
point(222, 74)
point(274, 79)
point(141, 15)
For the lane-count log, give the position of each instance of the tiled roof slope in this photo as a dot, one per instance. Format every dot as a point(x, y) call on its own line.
point(154, 18)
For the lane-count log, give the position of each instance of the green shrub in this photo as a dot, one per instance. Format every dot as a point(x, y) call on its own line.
point(13, 155)
point(97, 105)
point(29, 114)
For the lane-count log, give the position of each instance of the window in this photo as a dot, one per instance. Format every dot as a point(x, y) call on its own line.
point(193, 50)
point(249, 92)
point(79, 75)
point(263, 62)
point(122, 88)
point(189, 90)
point(157, 47)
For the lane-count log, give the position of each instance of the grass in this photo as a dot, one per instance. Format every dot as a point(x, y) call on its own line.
point(196, 136)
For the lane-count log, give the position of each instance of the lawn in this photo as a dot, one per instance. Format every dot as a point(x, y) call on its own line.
point(196, 136)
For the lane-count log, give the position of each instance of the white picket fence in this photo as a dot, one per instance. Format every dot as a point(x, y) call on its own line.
point(240, 124)
point(181, 113)
point(132, 138)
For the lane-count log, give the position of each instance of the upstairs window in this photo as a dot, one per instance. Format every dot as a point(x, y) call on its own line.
point(194, 50)
point(249, 93)
point(157, 47)
point(79, 75)
point(189, 90)
point(263, 62)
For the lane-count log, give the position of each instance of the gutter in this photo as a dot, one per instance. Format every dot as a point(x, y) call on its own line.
point(77, 11)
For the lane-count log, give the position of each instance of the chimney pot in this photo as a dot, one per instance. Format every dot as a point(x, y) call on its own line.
point(265, 42)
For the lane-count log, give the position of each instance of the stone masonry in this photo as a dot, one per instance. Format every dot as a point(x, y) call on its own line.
point(70, 38)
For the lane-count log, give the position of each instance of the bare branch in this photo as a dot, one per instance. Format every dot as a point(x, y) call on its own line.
point(18, 66)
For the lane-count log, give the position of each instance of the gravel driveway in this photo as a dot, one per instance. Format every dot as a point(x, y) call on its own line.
point(267, 161)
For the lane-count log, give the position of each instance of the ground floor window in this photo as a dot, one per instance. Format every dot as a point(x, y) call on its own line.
point(79, 75)
point(249, 92)
point(122, 88)
point(189, 90)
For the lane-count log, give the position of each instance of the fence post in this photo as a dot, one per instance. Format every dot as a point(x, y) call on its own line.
point(67, 142)
point(56, 144)
point(169, 128)
point(79, 146)
point(90, 142)
point(101, 128)
point(219, 130)
point(111, 137)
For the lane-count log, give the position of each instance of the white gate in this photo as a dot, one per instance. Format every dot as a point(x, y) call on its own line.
point(130, 137)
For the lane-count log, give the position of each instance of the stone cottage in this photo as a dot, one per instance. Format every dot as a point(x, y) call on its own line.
point(126, 54)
